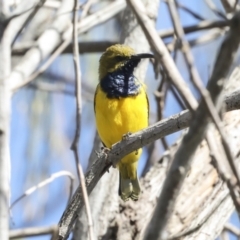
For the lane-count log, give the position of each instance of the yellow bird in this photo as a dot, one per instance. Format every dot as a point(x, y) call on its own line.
point(121, 107)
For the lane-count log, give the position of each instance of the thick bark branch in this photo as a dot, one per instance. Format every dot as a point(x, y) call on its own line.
point(104, 161)
point(203, 206)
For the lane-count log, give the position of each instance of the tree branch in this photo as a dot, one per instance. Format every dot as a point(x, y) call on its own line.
point(162, 54)
point(44, 183)
point(75, 143)
point(32, 232)
point(191, 140)
point(26, 70)
point(135, 141)
point(36, 55)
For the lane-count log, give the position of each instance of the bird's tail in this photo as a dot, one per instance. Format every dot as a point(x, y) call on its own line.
point(129, 188)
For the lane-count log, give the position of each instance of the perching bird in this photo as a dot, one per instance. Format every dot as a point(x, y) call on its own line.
point(121, 107)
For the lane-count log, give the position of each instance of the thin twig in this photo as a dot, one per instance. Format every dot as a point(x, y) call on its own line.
point(100, 46)
point(84, 47)
point(97, 18)
point(177, 97)
point(198, 83)
point(232, 229)
point(160, 97)
point(162, 54)
point(203, 25)
point(210, 36)
point(32, 232)
point(78, 91)
point(229, 5)
point(150, 150)
point(75, 143)
point(188, 10)
point(29, 18)
point(17, 14)
point(46, 182)
point(214, 9)
point(20, 49)
point(183, 157)
point(86, 8)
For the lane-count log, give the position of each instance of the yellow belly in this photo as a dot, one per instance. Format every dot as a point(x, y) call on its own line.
point(116, 117)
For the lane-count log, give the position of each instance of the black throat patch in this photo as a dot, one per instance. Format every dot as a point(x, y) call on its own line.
point(122, 82)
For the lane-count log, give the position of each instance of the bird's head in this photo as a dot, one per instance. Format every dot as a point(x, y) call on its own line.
point(117, 57)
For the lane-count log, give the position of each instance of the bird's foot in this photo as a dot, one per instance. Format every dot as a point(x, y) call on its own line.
point(105, 149)
point(125, 199)
point(104, 153)
point(134, 196)
point(126, 136)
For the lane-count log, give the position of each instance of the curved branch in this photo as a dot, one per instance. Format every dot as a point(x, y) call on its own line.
point(137, 140)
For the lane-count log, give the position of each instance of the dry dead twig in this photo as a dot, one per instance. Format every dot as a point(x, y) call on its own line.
point(44, 183)
point(162, 54)
point(183, 156)
point(75, 143)
point(31, 232)
point(231, 47)
point(22, 75)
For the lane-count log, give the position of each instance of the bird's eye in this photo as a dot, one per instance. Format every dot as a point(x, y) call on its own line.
point(119, 58)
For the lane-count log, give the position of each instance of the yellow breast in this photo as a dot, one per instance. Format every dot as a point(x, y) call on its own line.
point(116, 117)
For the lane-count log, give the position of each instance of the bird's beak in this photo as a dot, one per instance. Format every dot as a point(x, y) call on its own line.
point(142, 55)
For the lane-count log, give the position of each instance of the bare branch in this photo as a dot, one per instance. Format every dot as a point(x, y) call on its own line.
point(186, 9)
point(100, 46)
point(232, 229)
point(28, 19)
point(183, 156)
point(119, 150)
point(198, 83)
point(214, 9)
point(32, 232)
point(75, 143)
point(229, 5)
point(36, 55)
point(162, 54)
point(23, 73)
point(46, 182)
point(197, 27)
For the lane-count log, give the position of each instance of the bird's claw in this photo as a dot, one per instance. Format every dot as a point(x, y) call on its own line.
point(105, 150)
point(126, 136)
point(103, 153)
